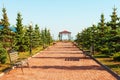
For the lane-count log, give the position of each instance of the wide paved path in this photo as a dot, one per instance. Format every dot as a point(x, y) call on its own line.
point(63, 61)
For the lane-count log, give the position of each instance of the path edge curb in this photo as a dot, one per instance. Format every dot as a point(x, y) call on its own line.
point(9, 69)
point(107, 68)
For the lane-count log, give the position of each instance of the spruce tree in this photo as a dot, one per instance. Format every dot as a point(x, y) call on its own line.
point(5, 37)
point(36, 39)
point(28, 39)
point(103, 35)
point(101, 25)
point(5, 21)
point(46, 37)
point(43, 39)
point(6, 34)
point(49, 37)
point(114, 37)
point(114, 22)
point(101, 30)
point(19, 42)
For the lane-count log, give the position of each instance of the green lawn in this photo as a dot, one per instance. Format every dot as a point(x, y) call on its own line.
point(109, 62)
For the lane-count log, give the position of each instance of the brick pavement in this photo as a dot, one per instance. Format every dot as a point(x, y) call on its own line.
point(63, 61)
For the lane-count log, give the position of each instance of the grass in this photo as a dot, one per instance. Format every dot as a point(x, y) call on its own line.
point(27, 54)
point(109, 62)
point(22, 55)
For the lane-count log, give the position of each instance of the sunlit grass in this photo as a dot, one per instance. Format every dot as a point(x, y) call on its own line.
point(109, 62)
point(27, 54)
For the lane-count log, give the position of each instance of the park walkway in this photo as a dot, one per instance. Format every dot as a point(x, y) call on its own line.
point(62, 61)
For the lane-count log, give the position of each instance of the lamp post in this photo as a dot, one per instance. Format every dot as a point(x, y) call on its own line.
point(92, 45)
point(30, 36)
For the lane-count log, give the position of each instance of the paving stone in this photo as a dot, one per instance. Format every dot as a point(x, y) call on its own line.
point(51, 64)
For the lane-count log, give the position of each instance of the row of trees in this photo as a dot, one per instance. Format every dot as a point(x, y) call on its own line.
point(20, 37)
point(103, 37)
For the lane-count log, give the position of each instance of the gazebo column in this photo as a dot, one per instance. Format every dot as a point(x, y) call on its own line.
point(60, 36)
point(69, 36)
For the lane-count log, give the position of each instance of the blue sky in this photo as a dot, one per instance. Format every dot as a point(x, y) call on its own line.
point(59, 15)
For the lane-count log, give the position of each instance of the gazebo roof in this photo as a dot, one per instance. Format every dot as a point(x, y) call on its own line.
point(64, 32)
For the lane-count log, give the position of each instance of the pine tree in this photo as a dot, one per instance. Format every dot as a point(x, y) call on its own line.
point(46, 37)
point(43, 39)
point(101, 30)
point(19, 25)
point(103, 35)
point(5, 37)
point(101, 25)
point(114, 19)
point(114, 22)
point(114, 37)
point(6, 34)
point(36, 39)
point(49, 37)
point(19, 42)
point(28, 39)
point(5, 21)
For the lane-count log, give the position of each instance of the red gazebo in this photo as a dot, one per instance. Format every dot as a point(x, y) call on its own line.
point(65, 32)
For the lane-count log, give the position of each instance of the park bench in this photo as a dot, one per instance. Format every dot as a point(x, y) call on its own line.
point(15, 61)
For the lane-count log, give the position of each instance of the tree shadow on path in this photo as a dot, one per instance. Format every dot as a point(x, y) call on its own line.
point(92, 67)
point(65, 58)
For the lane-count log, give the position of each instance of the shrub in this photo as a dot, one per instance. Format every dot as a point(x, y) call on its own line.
point(3, 54)
point(104, 50)
point(116, 56)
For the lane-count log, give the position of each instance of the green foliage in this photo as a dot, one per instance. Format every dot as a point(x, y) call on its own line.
point(36, 39)
point(3, 54)
point(46, 37)
point(114, 20)
point(105, 50)
point(103, 37)
point(19, 35)
point(24, 37)
point(4, 21)
point(6, 34)
point(101, 56)
point(116, 56)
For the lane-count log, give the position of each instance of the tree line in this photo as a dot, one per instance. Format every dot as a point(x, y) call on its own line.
point(104, 37)
point(20, 37)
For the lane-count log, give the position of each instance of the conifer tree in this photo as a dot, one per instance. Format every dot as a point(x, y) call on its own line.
point(43, 38)
point(114, 22)
point(36, 36)
point(101, 25)
point(6, 34)
point(19, 42)
point(114, 37)
point(5, 37)
point(105, 36)
point(46, 37)
point(29, 39)
point(101, 30)
point(5, 21)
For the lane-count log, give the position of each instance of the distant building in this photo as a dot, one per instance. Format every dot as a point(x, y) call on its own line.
point(12, 28)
